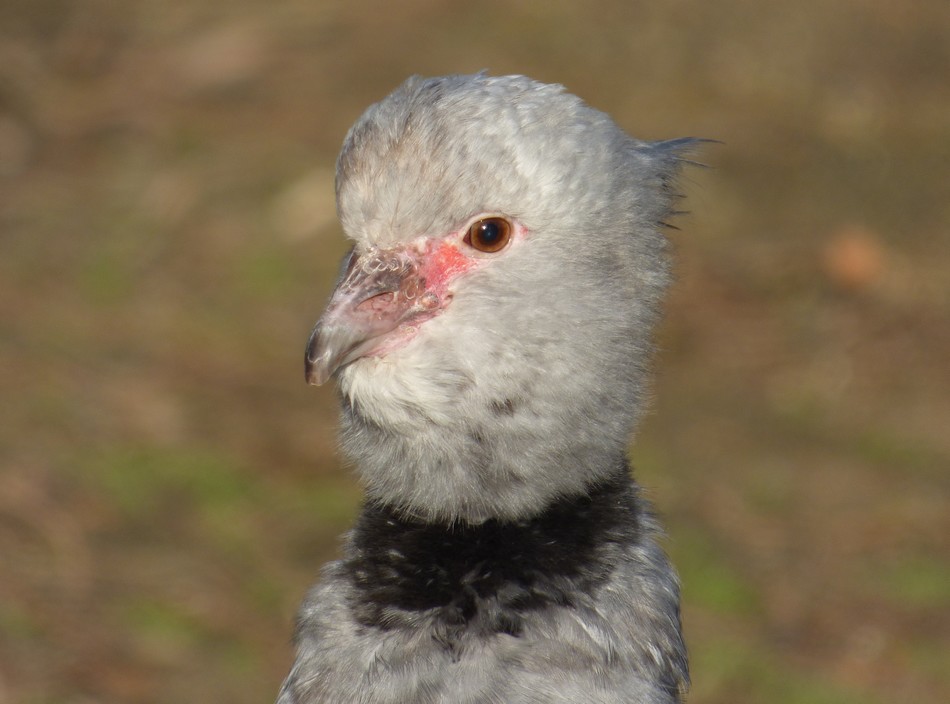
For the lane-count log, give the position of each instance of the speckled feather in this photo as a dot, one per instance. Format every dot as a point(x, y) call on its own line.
point(513, 406)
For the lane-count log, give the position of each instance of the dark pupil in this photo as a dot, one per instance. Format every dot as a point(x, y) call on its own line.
point(489, 232)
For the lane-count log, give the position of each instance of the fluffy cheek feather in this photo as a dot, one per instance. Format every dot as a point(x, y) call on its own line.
point(417, 383)
point(468, 379)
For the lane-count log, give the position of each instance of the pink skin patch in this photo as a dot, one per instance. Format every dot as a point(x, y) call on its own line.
point(387, 294)
point(441, 263)
point(438, 262)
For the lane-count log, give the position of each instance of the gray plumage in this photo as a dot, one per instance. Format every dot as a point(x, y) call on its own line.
point(488, 398)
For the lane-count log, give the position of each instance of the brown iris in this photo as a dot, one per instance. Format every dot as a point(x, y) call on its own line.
point(489, 235)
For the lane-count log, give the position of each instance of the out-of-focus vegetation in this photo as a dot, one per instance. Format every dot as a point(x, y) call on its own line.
point(169, 486)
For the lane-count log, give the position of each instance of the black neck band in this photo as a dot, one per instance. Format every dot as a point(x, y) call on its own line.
point(488, 576)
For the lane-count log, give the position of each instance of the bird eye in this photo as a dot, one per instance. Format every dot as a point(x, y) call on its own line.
point(489, 235)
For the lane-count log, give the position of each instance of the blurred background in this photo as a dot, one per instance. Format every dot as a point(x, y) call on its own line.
point(169, 486)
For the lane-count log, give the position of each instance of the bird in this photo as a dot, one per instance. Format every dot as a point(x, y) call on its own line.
point(491, 338)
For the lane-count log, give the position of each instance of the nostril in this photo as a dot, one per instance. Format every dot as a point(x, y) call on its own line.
point(380, 303)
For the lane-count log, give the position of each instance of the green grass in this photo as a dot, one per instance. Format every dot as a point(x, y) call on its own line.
point(735, 669)
point(142, 479)
point(914, 582)
point(149, 273)
point(709, 581)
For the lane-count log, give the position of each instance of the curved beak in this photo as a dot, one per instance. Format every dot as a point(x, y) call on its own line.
point(379, 291)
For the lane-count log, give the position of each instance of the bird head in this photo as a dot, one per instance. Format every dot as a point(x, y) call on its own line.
point(491, 328)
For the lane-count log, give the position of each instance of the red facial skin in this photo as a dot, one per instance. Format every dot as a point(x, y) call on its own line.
point(442, 263)
point(386, 295)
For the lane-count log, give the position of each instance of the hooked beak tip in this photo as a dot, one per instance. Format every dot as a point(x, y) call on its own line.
point(314, 375)
point(317, 365)
point(374, 298)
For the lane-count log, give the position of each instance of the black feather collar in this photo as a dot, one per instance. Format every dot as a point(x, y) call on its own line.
point(486, 578)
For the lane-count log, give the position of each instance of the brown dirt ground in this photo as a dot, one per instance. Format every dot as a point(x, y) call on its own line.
point(168, 484)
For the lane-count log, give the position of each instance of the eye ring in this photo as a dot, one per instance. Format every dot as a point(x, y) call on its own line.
point(489, 234)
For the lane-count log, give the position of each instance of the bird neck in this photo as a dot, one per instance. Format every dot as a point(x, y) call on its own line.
point(493, 574)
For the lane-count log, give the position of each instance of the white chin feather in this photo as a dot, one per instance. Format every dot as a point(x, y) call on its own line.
point(399, 390)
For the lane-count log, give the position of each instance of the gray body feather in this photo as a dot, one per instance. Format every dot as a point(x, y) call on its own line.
point(519, 397)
